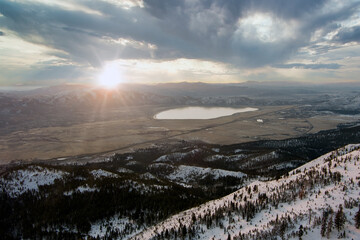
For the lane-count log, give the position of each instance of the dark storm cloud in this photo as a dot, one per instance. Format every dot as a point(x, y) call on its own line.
point(309, 66)
point(219, 41)
point(189, 29)
point(234, 8)
point(348, 35)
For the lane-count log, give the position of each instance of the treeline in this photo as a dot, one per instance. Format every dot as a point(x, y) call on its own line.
point(53, 214)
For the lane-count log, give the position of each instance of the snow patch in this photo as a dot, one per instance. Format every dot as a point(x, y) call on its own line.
point(81, 189)
point(148, 176)
point(124, 170)
point(216, 150)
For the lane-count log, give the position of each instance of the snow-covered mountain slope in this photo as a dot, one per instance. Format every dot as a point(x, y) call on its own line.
point(307, 203)
point(29, 179)
point(177, 156)
point(191, 175)
point(99, 173)
point(185, 173)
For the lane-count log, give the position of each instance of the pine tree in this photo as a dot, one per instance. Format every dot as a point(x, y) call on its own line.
point(323, 224)
point(282, 229)
point(357, 219)
point(229, 237)
point(340, 219)
point(329, 227)
point(301, 232)
point(184, 230)
point(193, 217)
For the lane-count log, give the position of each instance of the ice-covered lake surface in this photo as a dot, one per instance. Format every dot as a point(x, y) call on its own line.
point(201, 112)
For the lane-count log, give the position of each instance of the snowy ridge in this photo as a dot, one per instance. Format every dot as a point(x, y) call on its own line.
point(256, 160)
point(21, 181)
point(142, 188)
point(81, 189)
point(183, 173)
point(99, 173)
point(232, 158)
point(176, 156)
point(268, 210)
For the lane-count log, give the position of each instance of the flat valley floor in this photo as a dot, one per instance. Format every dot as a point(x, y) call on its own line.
point(134, 127)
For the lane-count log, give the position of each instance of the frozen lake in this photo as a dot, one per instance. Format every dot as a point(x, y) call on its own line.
point(201, 112)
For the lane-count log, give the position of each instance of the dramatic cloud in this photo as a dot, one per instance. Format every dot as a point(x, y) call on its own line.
point(309, 66)
point(349, 35)
point(249, 36)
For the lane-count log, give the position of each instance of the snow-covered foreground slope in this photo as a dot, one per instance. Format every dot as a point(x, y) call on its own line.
point(302, 203)
point(124, 225)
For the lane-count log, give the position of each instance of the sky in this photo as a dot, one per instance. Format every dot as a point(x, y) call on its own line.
point(50, 42)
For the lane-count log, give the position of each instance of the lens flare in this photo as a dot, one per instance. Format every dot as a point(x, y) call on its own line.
point(110, 77)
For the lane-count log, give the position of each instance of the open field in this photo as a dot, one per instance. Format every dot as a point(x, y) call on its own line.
point(134, 127)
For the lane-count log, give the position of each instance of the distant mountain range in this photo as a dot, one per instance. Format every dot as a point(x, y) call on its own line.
point(184, 93)
point(48, 105)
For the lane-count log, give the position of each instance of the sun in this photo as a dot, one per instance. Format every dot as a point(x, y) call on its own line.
point(110, 77)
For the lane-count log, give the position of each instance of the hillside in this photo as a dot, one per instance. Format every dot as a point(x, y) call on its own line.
point(307, 203)
point(119, 196)
point(115, 196)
